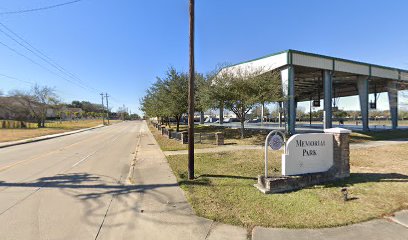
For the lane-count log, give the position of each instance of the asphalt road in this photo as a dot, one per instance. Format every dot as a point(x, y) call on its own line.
point(66, 188)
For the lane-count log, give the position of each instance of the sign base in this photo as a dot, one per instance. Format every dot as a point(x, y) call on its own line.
point(292, 183)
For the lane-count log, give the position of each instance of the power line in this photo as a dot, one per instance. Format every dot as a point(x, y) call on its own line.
point(42, 56)
point(39, 8)
point(38, 53)
point(40, 65)
point(10, 77)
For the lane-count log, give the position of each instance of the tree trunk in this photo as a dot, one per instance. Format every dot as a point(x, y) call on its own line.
point(221, 120)
point(242, 123)
point(201, 117)
point(242, 127)
point(178, 124)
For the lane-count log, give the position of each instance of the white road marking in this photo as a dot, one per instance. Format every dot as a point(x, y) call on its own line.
point(83, 159)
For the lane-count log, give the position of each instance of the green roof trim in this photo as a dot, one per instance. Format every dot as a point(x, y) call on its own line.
point(291, 51)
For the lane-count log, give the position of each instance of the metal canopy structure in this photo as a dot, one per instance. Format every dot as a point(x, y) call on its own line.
point(307, 76)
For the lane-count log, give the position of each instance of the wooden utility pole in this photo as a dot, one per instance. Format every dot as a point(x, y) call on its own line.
point(107, 107)
point(191, 98)
point(103, 110)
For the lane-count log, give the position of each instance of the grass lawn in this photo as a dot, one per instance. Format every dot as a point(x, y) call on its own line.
point(357, 137)
point(257, 137)
point(7, 135)
point(224, 191)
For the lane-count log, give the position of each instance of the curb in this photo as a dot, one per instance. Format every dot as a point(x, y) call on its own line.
point(46, 137)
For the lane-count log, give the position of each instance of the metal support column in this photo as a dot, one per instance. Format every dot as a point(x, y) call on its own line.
point(362, 86)
point(327, 85)
point(393, 102)
point(288, 88)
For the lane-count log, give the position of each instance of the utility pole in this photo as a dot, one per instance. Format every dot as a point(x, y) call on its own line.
point(107, 107)
point(103, 110)
point(191, 98)
point(123, 112)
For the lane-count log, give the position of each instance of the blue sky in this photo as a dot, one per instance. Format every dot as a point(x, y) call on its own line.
point(121, 46)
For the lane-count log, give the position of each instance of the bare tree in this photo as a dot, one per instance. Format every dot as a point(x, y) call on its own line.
point(37, 101)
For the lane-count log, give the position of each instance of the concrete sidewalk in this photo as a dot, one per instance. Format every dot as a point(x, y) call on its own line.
point(166, 213)
point(46, 137)
point(379, 229)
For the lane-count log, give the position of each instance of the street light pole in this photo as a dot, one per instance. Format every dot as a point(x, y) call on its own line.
point(191, 98)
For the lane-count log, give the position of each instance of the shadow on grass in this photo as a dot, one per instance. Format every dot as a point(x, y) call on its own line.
point(356, 178)
point(195, 182)
point(230, 143)
point(225, 176)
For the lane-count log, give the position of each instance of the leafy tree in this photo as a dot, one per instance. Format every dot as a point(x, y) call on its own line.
point(176, 89)
point(86, 106)
point(257, 111)
point(167, 97)
point(268, 87)
point(240, 89)
point(68, 114)
point(202, 94)
point(340, 114)
point(300, 112)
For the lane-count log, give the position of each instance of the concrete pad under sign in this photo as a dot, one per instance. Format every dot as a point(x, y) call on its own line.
point(374, 230)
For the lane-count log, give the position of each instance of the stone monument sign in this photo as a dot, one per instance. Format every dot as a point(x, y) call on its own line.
point(308, 159)
point(308, 153)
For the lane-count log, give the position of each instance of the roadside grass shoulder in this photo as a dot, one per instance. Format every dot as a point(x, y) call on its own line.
point(223, 190)
point(7, 135)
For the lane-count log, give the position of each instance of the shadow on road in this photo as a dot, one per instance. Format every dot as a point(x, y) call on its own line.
point(103, 184)
point(149, 202)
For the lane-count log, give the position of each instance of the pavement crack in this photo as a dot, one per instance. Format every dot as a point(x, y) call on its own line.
point(104, 217)
point(106, 213)
point(21, 200)
point(210, 229)
point(133, 162)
